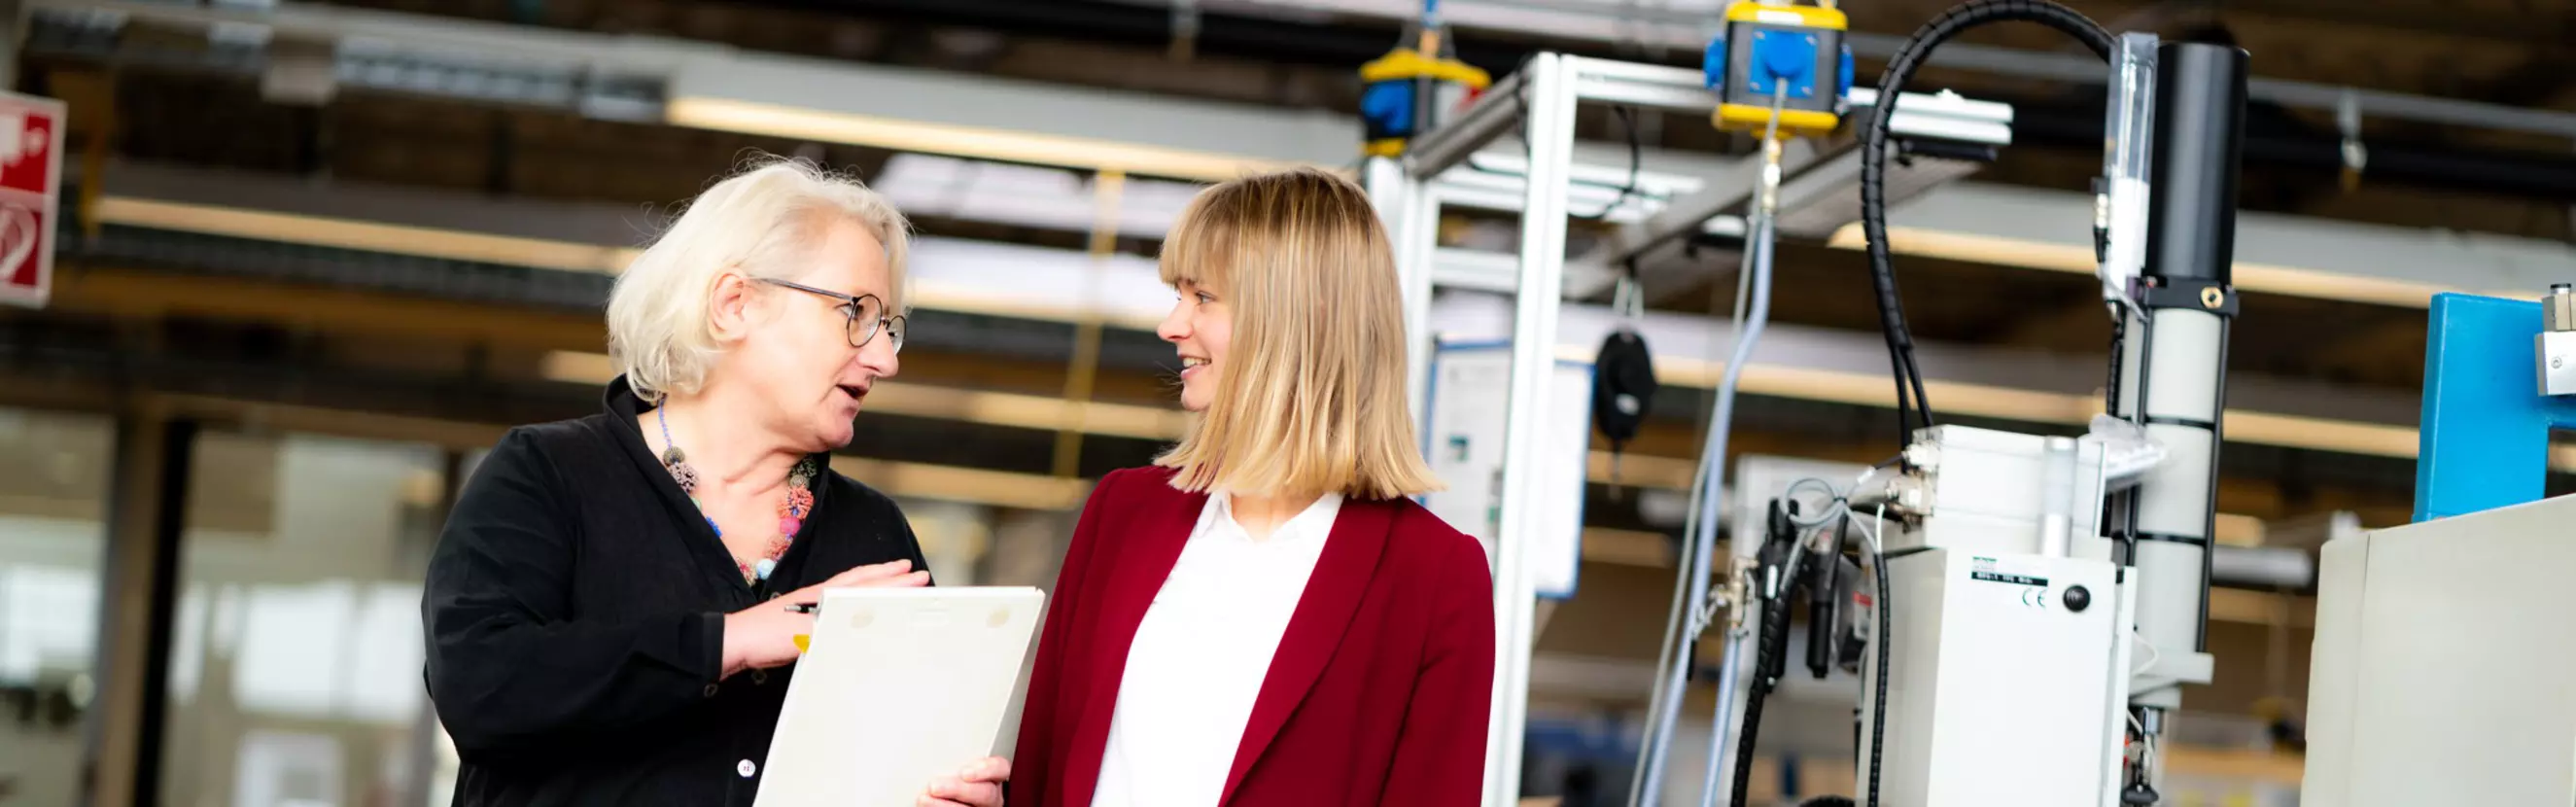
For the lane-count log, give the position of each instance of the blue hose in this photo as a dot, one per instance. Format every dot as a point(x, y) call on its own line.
point(1709, 496)
point(1757, 259)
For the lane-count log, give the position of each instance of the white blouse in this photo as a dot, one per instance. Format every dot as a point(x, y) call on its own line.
point(1201, 654)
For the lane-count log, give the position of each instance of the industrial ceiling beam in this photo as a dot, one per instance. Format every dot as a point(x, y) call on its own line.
point(1034, 283)
point(124, 292)
point(711, 86)
point(127, 293)
point(1688, 31)
point(896, 478)
point(1659, 459)
point(2029, 386)
point(2275, 253)
point(2011, 226)
point(2539, 26)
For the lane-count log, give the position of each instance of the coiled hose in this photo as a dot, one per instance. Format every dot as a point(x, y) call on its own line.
point(1882, 274)
point(1768, 664)
point(1873, 169)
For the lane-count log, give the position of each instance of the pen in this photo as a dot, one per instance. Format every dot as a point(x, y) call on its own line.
point(804, 607)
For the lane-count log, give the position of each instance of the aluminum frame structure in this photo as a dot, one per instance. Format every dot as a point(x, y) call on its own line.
point(1539, 102)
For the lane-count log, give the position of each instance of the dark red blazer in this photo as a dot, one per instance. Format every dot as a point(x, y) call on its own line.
point(1380, 690)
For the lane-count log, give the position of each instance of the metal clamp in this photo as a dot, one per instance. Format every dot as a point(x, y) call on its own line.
point(2555, 348)
point(2204, 295)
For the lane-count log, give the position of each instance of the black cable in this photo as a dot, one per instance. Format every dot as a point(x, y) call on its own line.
point(1904, 406)
point(1914, 373)
point(1768, 664)
point(1627, 190)
point(1472, 164)
point(1878, 705)
point(1824, 593)
point(1636, 155)
point(1752, 729)
point(1521, 99)
point(1873, 165)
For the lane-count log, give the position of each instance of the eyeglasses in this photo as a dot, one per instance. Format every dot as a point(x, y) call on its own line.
point(866, 312)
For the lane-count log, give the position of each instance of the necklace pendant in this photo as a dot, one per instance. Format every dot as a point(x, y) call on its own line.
point(681, 472)
point(764, 567)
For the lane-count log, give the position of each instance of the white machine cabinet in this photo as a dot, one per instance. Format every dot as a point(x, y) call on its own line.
point(2000, 681)
point(2444, 670)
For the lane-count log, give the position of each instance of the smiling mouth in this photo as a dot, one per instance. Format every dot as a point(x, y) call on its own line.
point(856, 393)
point(1189, 363)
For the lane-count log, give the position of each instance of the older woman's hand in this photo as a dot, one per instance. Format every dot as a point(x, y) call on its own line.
point(979, 785)
point(764, 635)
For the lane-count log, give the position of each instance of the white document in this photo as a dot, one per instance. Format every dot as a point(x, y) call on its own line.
point(899, 687)
point(1464, 431)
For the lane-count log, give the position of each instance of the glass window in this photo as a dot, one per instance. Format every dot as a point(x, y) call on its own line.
point(54, 472)
point(296, 655)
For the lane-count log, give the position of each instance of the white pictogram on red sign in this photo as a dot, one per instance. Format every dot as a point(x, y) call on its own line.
point(30, 164)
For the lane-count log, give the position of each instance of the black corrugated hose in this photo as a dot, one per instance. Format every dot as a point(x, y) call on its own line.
point(1882, 275)
point(1769, 661)
point(1910, 402)
point(1878, 708)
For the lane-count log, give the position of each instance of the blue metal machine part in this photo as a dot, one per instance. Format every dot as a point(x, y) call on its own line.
point(2485, 437)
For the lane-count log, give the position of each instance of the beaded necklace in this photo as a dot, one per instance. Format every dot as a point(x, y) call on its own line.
point(791, 511)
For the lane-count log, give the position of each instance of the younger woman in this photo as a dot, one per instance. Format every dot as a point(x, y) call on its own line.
point(1265, 617)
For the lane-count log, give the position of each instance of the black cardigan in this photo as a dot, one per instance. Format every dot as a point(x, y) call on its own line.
point(574, 616)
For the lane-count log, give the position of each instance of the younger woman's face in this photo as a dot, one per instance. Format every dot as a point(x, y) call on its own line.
point(1198, 327)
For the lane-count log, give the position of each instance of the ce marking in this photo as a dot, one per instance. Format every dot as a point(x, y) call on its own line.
point(2035, 597)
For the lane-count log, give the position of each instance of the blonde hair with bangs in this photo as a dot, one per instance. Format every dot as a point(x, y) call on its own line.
point(1312, 396)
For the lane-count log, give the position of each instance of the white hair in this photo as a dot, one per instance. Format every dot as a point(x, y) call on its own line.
point(761, 222)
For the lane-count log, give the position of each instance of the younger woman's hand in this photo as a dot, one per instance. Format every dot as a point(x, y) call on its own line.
point(979, 785)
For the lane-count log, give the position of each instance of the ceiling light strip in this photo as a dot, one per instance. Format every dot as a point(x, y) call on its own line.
point(353, 234)
point(434, 242)
point(723, 114)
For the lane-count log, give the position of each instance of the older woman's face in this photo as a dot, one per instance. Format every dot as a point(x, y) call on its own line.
point(799, 358)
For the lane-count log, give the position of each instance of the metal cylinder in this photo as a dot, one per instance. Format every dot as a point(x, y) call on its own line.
point(2181, 367)
point(2200, 136)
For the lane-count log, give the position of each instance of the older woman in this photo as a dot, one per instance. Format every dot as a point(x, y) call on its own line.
point(609, 612)
point(1265, 618)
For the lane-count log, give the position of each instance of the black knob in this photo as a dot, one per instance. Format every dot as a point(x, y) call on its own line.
point(2078, 599)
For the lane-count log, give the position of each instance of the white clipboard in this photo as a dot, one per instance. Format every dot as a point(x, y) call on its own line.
point(899, 687)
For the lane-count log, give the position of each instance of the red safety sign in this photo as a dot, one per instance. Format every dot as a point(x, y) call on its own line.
point(31, 178)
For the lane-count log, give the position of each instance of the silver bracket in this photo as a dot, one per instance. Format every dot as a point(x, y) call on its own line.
point(2356, 156)
point(2555, 347)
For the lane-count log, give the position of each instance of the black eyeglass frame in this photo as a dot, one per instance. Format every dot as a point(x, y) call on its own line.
point(858, 304)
